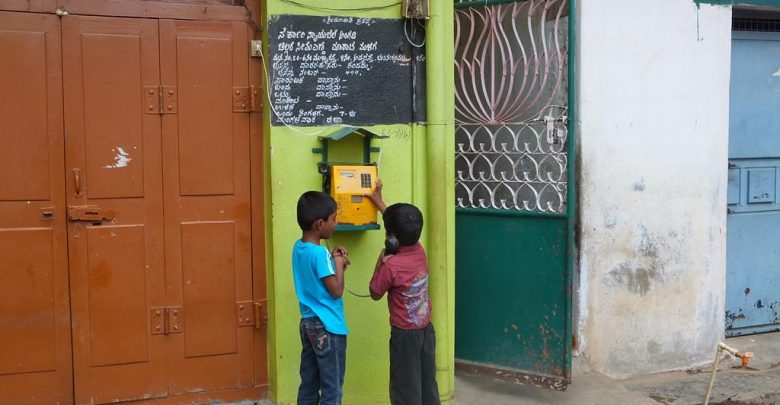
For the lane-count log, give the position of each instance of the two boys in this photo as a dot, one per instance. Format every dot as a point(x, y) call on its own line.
point(319, 284)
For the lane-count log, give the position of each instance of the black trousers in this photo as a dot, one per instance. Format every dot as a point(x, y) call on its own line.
point(413, 366)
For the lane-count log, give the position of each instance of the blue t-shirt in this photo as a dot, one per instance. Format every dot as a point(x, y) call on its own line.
point(311, 263)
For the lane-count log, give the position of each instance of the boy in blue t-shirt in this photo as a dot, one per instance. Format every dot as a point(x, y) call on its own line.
point(319, 283)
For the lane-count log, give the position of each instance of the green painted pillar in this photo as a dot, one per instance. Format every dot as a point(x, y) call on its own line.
point(417, 165)
point(440, 195)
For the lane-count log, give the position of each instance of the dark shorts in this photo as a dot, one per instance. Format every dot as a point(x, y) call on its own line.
point(413, 366)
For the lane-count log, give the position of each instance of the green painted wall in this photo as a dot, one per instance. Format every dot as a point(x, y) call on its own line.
point(416, 165)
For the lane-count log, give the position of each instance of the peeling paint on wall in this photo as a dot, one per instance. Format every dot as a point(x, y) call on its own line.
point(647, 265)
point(121, 158)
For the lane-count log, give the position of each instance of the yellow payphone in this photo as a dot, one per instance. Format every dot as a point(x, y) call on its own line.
point(349, 182)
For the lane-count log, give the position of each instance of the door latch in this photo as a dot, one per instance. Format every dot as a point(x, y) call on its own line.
point(47, 214)
point(93, 213)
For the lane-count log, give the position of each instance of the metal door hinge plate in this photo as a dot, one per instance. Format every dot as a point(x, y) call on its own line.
point(252, 313)
point(246, 99)
point(168, 100)
point(94, 213)
point(160, 99)
point(157, 321)
point(166, 320)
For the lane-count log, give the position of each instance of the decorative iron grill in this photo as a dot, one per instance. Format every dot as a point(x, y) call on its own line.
point(511, 106)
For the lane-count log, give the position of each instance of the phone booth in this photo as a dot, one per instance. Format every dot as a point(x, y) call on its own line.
point(348, 174)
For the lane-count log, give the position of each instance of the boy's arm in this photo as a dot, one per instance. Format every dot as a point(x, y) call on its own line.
point(330, 269)
point(335, 282)
point(376, 197)
point(379, 281)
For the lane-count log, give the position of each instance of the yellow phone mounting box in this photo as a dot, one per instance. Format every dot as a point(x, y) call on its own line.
point(348, 186)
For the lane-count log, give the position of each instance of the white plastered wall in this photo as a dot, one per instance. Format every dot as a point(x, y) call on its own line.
point(653, 87)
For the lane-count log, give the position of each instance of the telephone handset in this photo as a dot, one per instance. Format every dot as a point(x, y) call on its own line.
point(391, 245)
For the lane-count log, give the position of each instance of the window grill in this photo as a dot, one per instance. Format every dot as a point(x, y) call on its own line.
point(511, 106)
point(755, 24)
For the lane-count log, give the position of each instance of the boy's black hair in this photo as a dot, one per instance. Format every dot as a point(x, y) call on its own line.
point(314, 205)
point(404, 221)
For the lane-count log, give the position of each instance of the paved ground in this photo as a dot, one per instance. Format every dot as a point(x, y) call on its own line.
point(760, 385)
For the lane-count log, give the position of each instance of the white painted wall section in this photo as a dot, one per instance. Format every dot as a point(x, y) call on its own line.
point(653, 101)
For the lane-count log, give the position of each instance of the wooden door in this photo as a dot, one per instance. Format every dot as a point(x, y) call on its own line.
point(34, 315)
point(206, 163)
point(125, 211)
point(114, 192)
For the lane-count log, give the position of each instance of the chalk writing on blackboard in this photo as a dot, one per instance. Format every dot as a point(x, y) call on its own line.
point(344, 70)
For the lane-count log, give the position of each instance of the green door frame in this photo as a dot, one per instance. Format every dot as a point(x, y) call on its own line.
point(571, 208)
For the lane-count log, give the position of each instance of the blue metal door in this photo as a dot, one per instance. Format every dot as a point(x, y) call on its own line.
point(753, 255)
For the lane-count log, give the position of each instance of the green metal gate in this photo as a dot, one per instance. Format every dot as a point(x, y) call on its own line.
point(514, 175)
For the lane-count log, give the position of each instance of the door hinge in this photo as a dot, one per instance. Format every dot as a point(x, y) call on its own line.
point(160, 99)
point(246, 99)
point(167, 320)
point(252, 313)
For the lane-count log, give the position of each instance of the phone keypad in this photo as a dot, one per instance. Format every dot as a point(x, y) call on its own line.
point(365, 180)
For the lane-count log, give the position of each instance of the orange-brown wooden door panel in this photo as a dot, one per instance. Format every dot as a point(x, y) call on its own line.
point(113, 163)
point(207, 194)
point(35, 360)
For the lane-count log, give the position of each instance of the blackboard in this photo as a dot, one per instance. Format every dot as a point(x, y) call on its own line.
point(345, 70)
